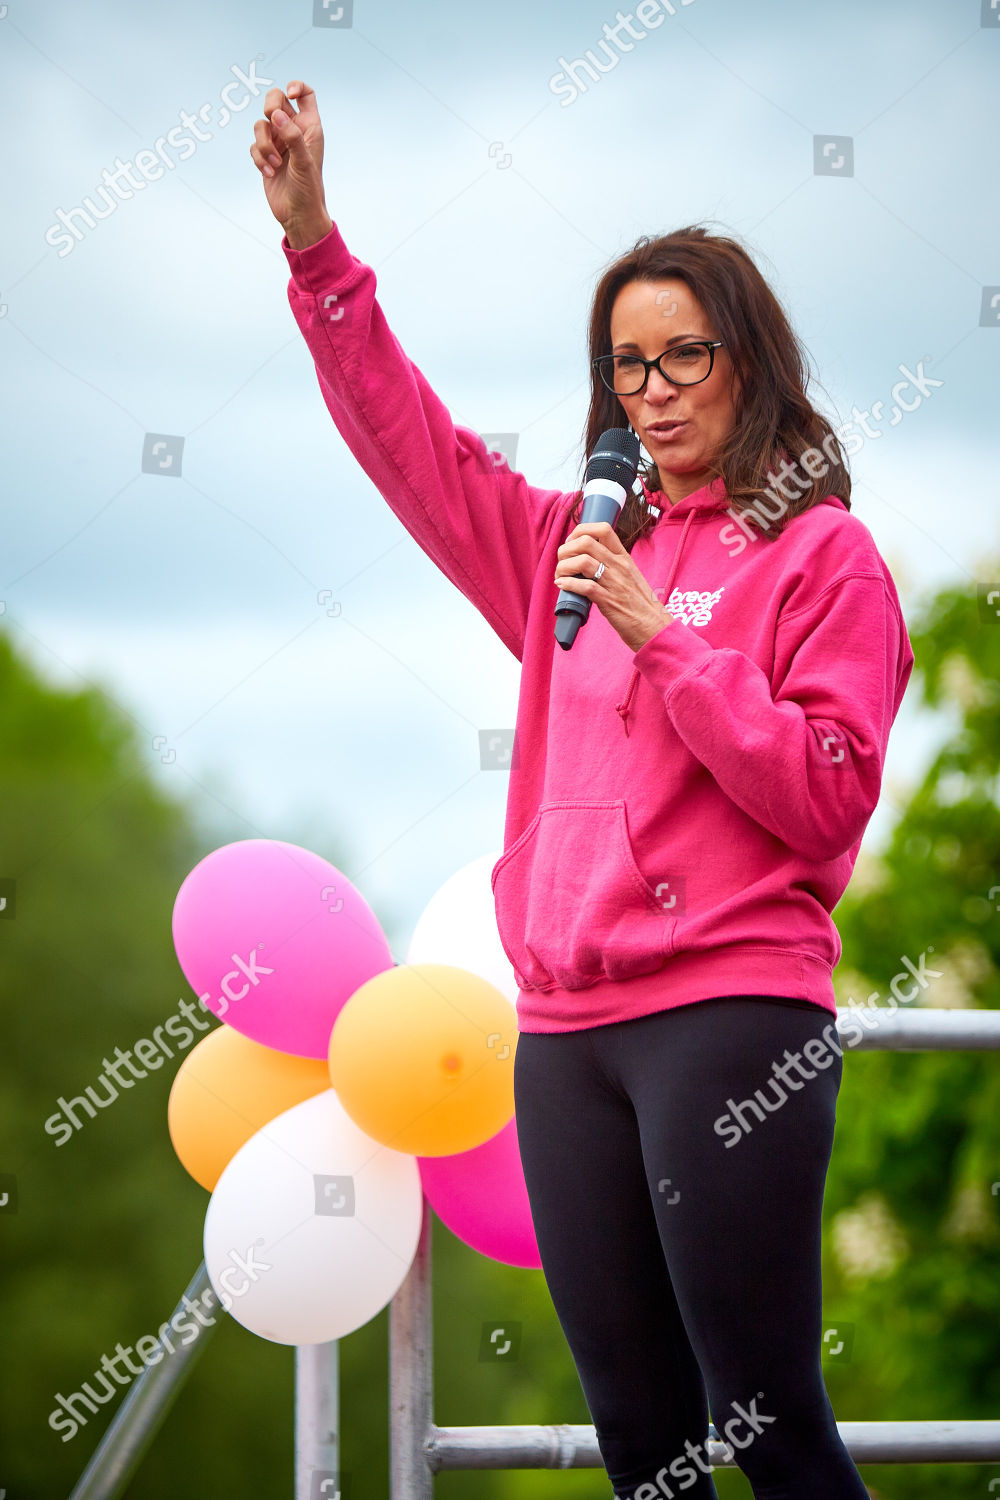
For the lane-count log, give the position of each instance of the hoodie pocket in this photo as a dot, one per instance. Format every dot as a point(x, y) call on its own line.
point(572, 905)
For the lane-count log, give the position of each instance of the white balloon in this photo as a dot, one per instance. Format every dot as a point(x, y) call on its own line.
point(299, 1258)
point(459, 927)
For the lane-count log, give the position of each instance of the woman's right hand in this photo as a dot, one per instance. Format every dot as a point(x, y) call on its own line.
point(289, 153)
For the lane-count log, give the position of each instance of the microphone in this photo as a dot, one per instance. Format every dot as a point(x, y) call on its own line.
point(607, 483)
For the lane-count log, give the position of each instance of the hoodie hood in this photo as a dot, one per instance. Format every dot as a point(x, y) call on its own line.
point(709, 498)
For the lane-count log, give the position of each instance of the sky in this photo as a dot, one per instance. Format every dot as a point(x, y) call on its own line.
point(488, 194)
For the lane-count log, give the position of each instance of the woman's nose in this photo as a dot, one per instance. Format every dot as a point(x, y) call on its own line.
point(658, 387)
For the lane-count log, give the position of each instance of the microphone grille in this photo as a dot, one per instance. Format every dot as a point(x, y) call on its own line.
point(616, 457)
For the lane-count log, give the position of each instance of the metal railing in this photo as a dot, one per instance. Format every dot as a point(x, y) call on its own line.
point(419, 1449)
point(131, 1432)
point(140, 1416)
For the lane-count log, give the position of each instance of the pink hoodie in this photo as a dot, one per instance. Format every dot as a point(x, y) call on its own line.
point(681, 820)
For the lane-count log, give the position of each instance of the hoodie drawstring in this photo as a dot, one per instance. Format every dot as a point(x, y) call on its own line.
point(622, 708)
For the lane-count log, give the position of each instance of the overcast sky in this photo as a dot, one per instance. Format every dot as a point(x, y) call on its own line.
point(488, 201)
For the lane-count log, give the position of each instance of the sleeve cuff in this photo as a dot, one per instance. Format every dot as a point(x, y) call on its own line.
point(671, 654)
point(323, 261)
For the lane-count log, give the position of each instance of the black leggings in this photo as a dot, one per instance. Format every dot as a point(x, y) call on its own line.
point(683, 1260)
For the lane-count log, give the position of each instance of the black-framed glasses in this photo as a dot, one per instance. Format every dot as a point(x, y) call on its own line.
point(685, 364)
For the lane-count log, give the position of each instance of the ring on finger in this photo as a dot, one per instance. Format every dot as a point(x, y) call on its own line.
point(600, 570)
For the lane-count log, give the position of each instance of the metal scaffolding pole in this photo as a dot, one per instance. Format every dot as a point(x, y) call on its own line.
point(138, 1419)
point(317, 1420)
point(922, 1029)
point(411, 1367)
point(131, 1432)
point(568, 1447)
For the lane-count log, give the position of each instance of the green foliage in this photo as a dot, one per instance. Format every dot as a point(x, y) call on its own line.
point(108, 1225)
point(912, 1223)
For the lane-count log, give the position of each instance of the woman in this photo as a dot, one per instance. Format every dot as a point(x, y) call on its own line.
point(688, 795)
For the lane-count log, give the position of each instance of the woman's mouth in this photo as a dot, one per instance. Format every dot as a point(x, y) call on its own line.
point(667, 432)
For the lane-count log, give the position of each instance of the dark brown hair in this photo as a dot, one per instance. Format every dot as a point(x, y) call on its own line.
point(774, 417)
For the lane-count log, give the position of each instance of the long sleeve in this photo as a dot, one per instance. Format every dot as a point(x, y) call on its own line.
point(478, 520)
point(801, 753)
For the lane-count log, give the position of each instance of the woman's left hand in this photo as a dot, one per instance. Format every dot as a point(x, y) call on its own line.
point(621, 593)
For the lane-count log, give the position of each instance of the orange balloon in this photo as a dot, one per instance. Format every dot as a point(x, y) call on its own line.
point(422, 1059)
point(226, 1089)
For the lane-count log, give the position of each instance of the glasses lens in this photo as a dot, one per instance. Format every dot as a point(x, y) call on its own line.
point(687, 363)
point(625, 374)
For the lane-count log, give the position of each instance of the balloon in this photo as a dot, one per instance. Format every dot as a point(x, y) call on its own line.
point(312, 1227)
point(422, 1058)
point(480, 1195)
point(225, 1090)
point(458, 926)
point(275, 939)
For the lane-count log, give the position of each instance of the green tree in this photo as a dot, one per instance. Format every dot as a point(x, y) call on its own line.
point(108, 1226)
point(913, 1231)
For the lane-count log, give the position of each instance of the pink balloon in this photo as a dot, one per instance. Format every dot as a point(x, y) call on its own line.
point(481, 1196)
point(275, 940)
